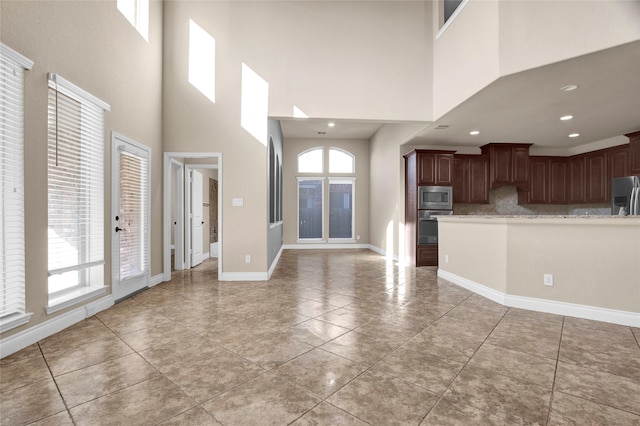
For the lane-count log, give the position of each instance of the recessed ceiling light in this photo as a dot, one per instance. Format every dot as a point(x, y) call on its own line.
point(566, 117)
point(574, 135)
point(332, 124)
point(474, 132)
point(569, 87)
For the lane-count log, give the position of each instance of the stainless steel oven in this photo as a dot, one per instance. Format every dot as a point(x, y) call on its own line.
point(435, 197)
point(428, 225)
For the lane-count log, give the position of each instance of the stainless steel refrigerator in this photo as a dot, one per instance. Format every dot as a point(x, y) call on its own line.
point(625, 196)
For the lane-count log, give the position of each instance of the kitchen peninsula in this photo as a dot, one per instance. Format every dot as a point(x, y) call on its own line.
point(582, 266)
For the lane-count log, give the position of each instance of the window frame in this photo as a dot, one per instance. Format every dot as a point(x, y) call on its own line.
point(345, 152)
point(91, 283)
point(309, 151)
point(343, 180)
point(322, 215)
point(12, 67)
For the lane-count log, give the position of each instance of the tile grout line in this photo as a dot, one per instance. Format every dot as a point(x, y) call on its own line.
point(55, 382)
point(466, 363)
point(555, 373)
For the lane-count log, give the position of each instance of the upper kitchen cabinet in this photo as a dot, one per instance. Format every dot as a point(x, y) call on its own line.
point(471, 179)
point(634, 153)
point(508, 164)
point(547, 181)
point(618, 161)
point(434, 167)
point(597, 179)
point(576, 176)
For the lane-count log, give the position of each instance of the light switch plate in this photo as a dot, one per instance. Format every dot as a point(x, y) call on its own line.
point(548, 280)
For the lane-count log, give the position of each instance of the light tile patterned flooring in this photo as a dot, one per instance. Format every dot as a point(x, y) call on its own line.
point(334, 338)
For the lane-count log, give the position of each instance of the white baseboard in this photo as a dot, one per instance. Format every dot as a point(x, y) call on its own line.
point(275, 262)
point(631, 319)
point(155, 280)
point(381, 252)
point(243, 276)
point(324, 246)
point(22, 339)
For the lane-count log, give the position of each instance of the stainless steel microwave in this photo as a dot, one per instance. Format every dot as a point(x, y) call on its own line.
point(435, 197)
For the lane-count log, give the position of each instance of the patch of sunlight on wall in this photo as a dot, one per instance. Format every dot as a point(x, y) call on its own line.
point(137, 13)
point(389, 249)
point(202, 61)
point(298, 113)
point(254, 104)
point(401, 248)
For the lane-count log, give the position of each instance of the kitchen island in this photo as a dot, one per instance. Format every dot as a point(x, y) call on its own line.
point(592, 262)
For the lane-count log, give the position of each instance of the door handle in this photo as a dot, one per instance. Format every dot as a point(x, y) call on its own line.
point(202, 222)
point(118, 229)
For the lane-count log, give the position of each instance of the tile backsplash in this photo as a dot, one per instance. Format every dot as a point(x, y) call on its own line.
point(504, 201)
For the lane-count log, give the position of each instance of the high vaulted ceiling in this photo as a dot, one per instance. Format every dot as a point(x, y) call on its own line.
point(526, 107)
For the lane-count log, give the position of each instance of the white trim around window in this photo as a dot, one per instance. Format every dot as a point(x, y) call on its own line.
point(352, 182)
point(12, 217)
point(311, 240)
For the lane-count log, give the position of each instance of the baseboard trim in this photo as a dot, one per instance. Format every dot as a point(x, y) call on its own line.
point(27, 337)
point(156, 279)
point(596, 313)
point(275, 262)
point(381, 252)
point(243, 276)
point(327, 246)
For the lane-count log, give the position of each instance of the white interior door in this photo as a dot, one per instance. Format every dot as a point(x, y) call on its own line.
point(130, 216)
point(197, 221)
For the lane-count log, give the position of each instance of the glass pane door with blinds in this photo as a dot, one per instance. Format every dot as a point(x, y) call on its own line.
point(130, 217)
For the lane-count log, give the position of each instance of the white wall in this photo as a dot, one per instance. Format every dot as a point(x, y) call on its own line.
point(537, 33)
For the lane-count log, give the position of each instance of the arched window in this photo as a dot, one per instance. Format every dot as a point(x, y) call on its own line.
point(316, 200)
point(311, 161)
point(341, 161)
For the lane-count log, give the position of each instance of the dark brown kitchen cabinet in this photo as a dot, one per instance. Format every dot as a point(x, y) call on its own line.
point(558, 187)
point(423, 167)
point(427, 255)
point(434, 167)
point(547, 181)
point(576, 176)
point(597, 180)
point(508, 164)
point(618, 161)
point(634, 153)
point(538, 180)
point(460, 178)
point(471, 179)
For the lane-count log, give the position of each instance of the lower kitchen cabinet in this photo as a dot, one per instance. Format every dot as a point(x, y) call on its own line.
point(427, 255)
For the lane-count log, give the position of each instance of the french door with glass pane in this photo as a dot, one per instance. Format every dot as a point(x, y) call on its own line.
point(130, 217)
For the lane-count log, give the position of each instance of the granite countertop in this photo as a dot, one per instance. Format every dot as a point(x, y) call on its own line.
point(543, 219)
point(541, 216)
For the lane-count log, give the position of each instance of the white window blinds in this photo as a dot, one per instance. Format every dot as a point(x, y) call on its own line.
point(12, 277)
point(75, 187)
point(134, 202)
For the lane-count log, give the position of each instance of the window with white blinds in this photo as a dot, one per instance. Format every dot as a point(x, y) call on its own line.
point(75, 190)
point(134, 201)
point(12, 264)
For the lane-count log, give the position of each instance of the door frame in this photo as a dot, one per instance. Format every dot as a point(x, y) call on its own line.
point(115, 204)
point(177, 191)
point(170, 160)
point(187, 206)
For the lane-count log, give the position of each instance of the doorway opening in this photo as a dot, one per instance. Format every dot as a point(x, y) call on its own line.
point(178, 223)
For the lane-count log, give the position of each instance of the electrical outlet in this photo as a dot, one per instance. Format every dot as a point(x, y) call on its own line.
point(548, 280)
point(247, 259)
point(446, 258)
point(357, 237)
